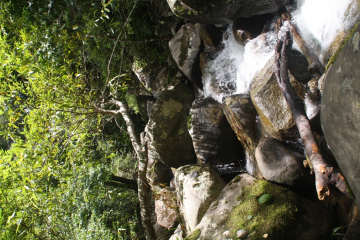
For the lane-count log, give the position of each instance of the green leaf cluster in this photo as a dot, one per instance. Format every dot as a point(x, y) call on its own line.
point(58, 61)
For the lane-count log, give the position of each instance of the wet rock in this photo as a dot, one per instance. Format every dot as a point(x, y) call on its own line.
point(196, 187)
point(275, 116)
point(211, 35)
point(340, 112)
point(239, 211)
point(184, 47)
point(214, 141)
point(298, 66)
point(312, 104)
point(167, 128)
point(165, 208)
point(218, 12)
point(241, 114)
point(251, 27)
point(278, 163)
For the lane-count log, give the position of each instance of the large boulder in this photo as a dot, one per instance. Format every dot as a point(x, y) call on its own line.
point(218, 12)
point(196, 187)
point(252, 207)
point(153, 77)
point(241, 114)
point(275, 115)
point(166, 208)
point(167, 128)
point(184, 48)
point(214, 141)
point(278, 163)
point(340, 112)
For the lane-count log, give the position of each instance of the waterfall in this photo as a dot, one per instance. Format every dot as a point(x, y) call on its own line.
point(236, 65)
point(321, 21)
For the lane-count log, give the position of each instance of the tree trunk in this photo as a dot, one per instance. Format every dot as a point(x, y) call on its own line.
point(141, 153)
point(325, 175)
point(121, 182)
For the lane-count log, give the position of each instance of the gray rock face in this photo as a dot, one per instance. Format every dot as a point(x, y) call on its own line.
point(298, 66)
point(165, 208)
point(238, 212)
point(218, 12)
point(153, 78)
point(277, 163)
point(184, 47)
point(169, 139)
point(241, 114)
point(196, 187)
point(340, 112)
point(214, 141)
point(275, 116)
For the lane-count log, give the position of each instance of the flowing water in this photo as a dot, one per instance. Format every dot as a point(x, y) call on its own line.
point(233, 69)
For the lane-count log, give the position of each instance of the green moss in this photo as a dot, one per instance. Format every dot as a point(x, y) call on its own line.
point(189, 122)
point(236, 179)
point(272, 217)
point(340, 48)
point(194, 235)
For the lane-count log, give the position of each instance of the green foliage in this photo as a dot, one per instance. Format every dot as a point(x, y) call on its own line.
point(58, 60)
point(264, 198)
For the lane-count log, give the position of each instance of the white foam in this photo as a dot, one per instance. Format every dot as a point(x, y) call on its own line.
point(321, 21)
point(237, 64)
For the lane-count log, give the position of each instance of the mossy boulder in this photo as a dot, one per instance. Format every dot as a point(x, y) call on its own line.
point(167, 128)
point(258, 209)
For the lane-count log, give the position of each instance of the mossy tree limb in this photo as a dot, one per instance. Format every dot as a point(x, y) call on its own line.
point(325, 174)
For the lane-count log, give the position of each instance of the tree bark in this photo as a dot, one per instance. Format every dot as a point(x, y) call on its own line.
point(116, 181)
point(140, 150)
point(325, 175)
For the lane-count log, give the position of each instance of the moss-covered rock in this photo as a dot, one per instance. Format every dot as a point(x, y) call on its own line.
point(167, 128)
point(258, 209)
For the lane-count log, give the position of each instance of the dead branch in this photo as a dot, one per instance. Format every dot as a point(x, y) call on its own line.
point(325, 175)
point(315, 66)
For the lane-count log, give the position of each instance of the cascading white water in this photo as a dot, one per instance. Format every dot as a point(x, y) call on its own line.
point(320, 21)
point(237, 65)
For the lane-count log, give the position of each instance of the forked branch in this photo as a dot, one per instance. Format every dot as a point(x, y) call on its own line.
point(325, 175)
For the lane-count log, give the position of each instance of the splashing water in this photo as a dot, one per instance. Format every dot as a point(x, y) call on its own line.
point(237, 65)
point(321, 21)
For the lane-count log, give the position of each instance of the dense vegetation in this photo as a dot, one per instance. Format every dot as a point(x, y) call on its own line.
point(59, 60)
